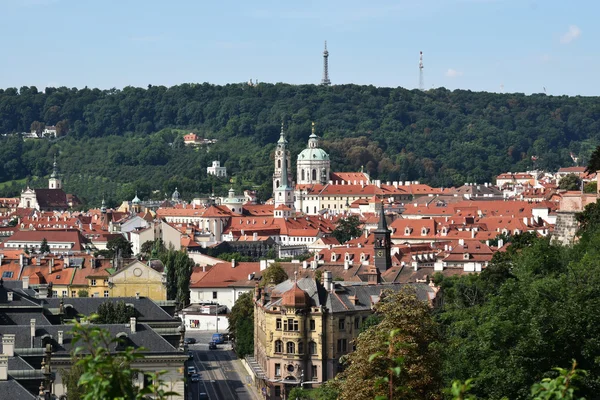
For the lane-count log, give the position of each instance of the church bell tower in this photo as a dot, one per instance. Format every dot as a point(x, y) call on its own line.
point(383, 257)
point(54, 182)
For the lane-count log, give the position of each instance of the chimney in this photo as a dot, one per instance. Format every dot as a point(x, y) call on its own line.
point(473, 233)
point(263, 265)
point(3, 367)
point(25, 282)
point(313, 264)
point(21, 260)
point(346, 265)
point(327, 280)
point(50, 265)
point(9, 296)
point(60, 337)
point(204, 268)
point(461, 242)
point(38, 260)
point(132, 324)
point(32, 330)
point(255, 236)
point(67, 262)
point(232, 263)
point(137, 295)
point(8, 345)
point(1, 258)
point(304, 264)
point(500, 243)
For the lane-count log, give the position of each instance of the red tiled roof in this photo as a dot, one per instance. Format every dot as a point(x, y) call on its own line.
point(223, 275)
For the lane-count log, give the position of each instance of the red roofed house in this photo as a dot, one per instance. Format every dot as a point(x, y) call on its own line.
point(59, 240)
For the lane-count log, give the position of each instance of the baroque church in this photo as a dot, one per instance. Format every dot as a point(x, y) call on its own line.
point(52, 199)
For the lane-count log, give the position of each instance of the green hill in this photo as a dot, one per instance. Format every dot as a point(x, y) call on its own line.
point(119, 141)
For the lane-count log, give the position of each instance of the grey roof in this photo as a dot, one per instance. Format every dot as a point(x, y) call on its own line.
point(23, 318)
point(147, 310)
point(12, 389)
point(21, 297)
point(143, 337)
point(18, 364)
point(339, 299)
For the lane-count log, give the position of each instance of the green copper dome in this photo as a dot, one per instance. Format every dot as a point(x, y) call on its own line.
point(314, 154)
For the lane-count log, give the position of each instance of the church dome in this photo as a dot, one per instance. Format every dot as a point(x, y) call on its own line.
point(136, 199)
point(314, 154)
point(295, 297)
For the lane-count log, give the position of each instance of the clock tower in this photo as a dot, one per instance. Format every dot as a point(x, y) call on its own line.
point(383, 258)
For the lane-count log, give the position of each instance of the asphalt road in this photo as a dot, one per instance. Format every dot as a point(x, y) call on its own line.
point(222, 376)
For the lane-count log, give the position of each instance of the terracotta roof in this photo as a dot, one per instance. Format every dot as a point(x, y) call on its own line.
point(223, 275)
point(51, 198)
point(51, 235)
point(295, 297)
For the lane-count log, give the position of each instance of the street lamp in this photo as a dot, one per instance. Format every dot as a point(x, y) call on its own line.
point(217, 316)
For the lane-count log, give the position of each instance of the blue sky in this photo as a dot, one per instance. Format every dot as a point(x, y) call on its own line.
point(490, 45)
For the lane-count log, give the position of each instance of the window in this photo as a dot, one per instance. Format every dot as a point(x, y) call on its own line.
point(313, 325)
point(277, 391)
point(93, 283)
point(290, 325)
point(214, 295)
point(54, 293)
point(7, 274)
point(313, 373)
point(278, 324)
point(73, 293)
point(278, 346)
point(277, 369)
point(312, 347)
point(342, 345)
point(106, 293)
point(300, 348)
point(64, 293)
point(356, 322)
point(342, 324)
point(106, 282)
point(290, 347)
point(314, 174)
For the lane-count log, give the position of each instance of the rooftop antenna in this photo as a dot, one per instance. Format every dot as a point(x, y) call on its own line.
point(325, 81)
point(421, 81)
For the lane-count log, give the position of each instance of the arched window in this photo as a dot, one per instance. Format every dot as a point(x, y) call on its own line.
point(277, 183)
point(314, 174)
point(278, 346)
point(290, 347)
point(278, 163)
point(300, 348)
point(302, 174)
point(312, 347)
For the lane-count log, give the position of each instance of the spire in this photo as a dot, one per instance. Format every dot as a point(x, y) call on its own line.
point(325, 81)
point(54, 168)
point(282, 136)
point(103, 207)
point(382, 226)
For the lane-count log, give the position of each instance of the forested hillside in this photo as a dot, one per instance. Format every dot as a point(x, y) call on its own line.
point(115, 142)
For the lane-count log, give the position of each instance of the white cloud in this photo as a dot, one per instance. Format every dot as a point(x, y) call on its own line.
point(452, 73)
point(573, 33)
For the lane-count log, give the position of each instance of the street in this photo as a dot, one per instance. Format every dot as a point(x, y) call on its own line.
point(222, 376)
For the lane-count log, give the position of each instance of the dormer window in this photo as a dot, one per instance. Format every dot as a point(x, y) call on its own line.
point(333, 257)
point(424, 231)
point(347, 257)
point(362, 257)
point(466, 256)
point(407, 231)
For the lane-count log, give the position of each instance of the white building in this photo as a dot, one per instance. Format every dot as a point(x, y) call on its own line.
point(217, 170)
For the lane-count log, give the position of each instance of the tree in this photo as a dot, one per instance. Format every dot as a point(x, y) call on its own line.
point(106, 374)
point(119, 245)
point(178, 268)
point(44, 248)
point(111, 312)
point(241, 324)
point(83, 293)
point(589, 218)
point(299, 394)
point(273, 275)
point(594, 163)
point(591, 187)
point(414, 339)
point(570, 182)
point(37, 127)
point(70, 377)
point(347, 228)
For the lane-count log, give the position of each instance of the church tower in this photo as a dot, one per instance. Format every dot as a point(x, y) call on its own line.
point(284, 192)
point(54, 182)
point(383, 257)
point(313, 164)
point(281, 154)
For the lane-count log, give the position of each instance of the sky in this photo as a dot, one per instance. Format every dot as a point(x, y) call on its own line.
point(527, 46)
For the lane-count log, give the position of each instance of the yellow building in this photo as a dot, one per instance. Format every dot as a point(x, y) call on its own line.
point(139, 279)
point(301, 329)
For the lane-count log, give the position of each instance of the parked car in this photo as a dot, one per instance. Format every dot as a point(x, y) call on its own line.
point(191, 370)
point(217, 338)
point(190, 355)
point(195, 378)
point(189, 340)
point(203, 395)
point(212, 345)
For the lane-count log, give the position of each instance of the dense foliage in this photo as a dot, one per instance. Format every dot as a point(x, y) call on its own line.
point(178, 267)
point(273, 275)
point(115, 142)
point(347, 228)
point(534, 308)
point(241, 324)
point(111, 312)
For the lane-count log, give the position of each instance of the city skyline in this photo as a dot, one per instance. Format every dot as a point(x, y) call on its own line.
point(479, 45)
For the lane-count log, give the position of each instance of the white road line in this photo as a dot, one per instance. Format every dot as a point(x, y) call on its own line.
point(200, 366)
